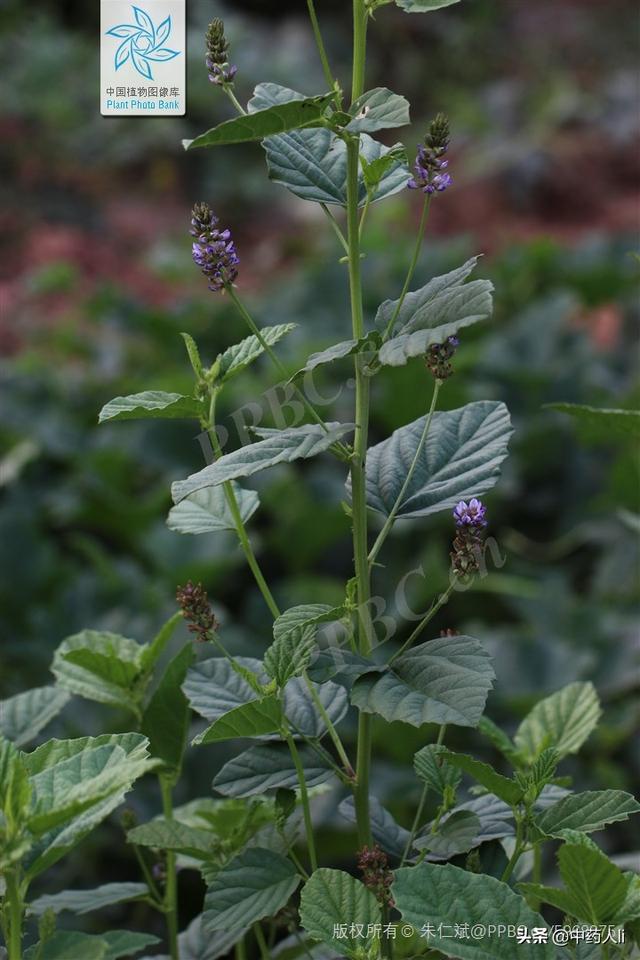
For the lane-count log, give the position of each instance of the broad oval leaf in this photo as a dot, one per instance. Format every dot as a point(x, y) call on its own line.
point(277, 446)
point(441, 681)
point(214, 688)
point(258, 124)
point(161, 834)
point(23, 717)
point(100, 666)
point(207, 511)
point(461, 458)
point(435, 898)
point(563, 721)
point(313, 163)
point(587, 812)
point(268, 766)
point(333, 898)
point(302, 713)
point(256, 884)
point(84, 901)
point(378, 109)
point(253, 719)
point(455, 834)
point(433, 313)
point(152, 404)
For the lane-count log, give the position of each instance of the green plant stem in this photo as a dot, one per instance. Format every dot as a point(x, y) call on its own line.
point(304, 798)
point(171, 889)
point(265, 953)
point(386, 529)
point(331, 730)
point(360, 20)
point(234, 100)
point(153, 889)
point(320, 44)
point(412, 266)
point(16, 910)
point(255, 330)
point(518, 850)
point(440, 602)
point(240, 950)
point(415, 824)
point(335, 226)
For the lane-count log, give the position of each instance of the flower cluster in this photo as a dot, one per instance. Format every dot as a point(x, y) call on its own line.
point(376, 875)
point(430, 169)
point(196, 609)
point(466, 552)
point(213, 250)
point(438, 358)
point(221, 72)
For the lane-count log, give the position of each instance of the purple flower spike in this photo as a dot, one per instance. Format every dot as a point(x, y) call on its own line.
point(429, 166)
point(470, 514)
point(213, 250)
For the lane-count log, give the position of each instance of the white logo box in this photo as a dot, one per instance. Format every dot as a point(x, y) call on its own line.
point(142, 58)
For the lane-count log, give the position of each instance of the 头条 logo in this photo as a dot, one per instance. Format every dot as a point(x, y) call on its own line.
point(142, 43)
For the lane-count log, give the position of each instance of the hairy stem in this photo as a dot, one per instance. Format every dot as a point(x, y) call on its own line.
point(304, 798)
point(16, 911)
point(171, 889)
point(326, 69)
point(331, 730)
point(440, 602)
point(415, 824)
point(384, 533)
point(518, 850)
point(234, 100)
point(412, 266)
point(360, 20)
point(335, 226)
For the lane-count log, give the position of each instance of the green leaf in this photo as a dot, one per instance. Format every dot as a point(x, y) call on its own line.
point(195, 944)
point(433, 313)
point(268, 766)
point(496, 817)
point(587, 812)
point(562, 721)
point(152, 652)
point(313, 163)
point(430, 897)
point(253, 719)
point(23, 717)
point(559, 899)
point(431, 768)
point(193, 354)
point(446, 680)
point(332, 898)
point(600, 422)
point(457, 834)
point(302, 713)
point(256, 884)
point(385, 831)
point(124, 943)
point(69, 945)
point(337, 351)
point(374, 171)
point(293, 115)
point(378, 109)
point(461, 458)
point(84, 901)
point(163, 834)
point(277, 446)
point(294, 634)
point(166, 718)
point(152, 404)
point(498, 738)
point(100, 666)
point(207, 511)
point(503, 787)
point(597, 885)
point(240, 355)
point(423, 6)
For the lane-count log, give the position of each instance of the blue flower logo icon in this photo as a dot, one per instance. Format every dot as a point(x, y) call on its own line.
point(142, 43)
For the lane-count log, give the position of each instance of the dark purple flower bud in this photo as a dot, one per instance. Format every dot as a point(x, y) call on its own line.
point(438, 358)
point(221, 72)
point(376, 875)
point(470, 514)
point(196, 610)
point(213, 250)
point(429, 165)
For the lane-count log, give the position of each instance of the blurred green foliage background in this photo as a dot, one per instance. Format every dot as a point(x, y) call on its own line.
point(98, 282)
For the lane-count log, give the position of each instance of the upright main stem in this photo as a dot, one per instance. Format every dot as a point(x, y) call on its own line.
point(171, 889)
point(358, 478)
point(14, 899)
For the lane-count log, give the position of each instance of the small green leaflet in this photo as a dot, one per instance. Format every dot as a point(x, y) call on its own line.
point(256, 884)
point(331, 898)
point(337, 351)
point(152, 404)
point(431, 768)
point(503, 787)
point(457, 834)
point(101, 666)
point(294, 635)
point(563, 721)
point(23, 717)
point(293, 115)
point(276, 446)
point(378, 109)
point(253, 719)
point(587, 812)
point(207, 511)
point(84, 901)
point(166, 718)
point(461, 458)
point(163, 834)
point(446, 680)
point(442, 896)
point(240, 355)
